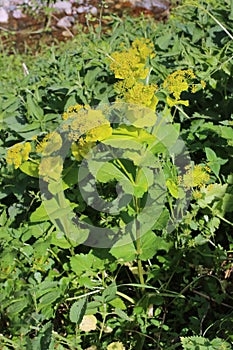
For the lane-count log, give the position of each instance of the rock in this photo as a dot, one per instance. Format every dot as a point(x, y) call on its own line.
point(83, 9)
point(18, 14)
point(67, 34)
point(93, 10)
point(3, 15)
point(63, 6)
point(66, 22)
point(151, 5)
point(4, 3)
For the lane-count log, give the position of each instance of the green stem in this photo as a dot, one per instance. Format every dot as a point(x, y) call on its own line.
point(138, 244)
point(104, 321)
point(63, 220)
point(125, 171)
point(220, 217)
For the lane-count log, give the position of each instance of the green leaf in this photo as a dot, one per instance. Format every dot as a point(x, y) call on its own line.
point(227, 204)
point(118, 303)
point(141, 118)
point(58, 239)
point(110, 292)
point(172, 188)
point(34, 110)
point(49, 297)
point(214, 162)
point(201, 343)
point(17, 306)
point(81, 263)
point(77, 310)
point(30, 168)
point(150, 244)
point(123, 315)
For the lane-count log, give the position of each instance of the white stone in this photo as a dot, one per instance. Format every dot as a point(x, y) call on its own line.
point(63, 6)
point(18, 14)
point(93, 10)
point(66, 22)
point(4, 3)
point(83, 9)
point(3, 15)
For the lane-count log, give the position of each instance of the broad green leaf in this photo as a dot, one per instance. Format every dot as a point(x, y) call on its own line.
point(77, 310)
point(212, 192)
point(34, 110)
point(124, 252)
point(172, 188)
point(30, 168)
point(141, 117)
point(118, 303)
point(167, 135)
point(110, 292)
point(227, 204)
point(164, 41)
point(123, 315)
point(58, 239)
point(151, 244)
point(40, 214)
point(17, 305)
point(81, 263)
point(214, 162)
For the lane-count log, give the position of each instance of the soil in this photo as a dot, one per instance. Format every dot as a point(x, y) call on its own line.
point(36, 29)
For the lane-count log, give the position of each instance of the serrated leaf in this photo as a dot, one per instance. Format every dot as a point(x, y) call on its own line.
point(214, 162)
point(81, 263)
point(77, 310)
point(110, 292)
point(118, 303)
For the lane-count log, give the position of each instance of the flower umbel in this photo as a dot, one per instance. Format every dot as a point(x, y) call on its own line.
point(130, 66)
point(178, 82)
point(18, 154)
point(85, 127)
point(196, 177)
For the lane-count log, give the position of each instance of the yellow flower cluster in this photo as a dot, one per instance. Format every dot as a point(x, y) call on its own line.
point(81, 148)
point(131, 63)
point(51, 142)
point(130, 66)
point(196, 177)
point(142, 94)
point(85, 126)
point(177, 82)
point(18, 154)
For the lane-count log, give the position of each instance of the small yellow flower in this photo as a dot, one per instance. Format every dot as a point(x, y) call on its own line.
point(141, 94)
point(176, 83)
point(130, 66)
point(197, 194)
point(51, 142)
point(18, 154)
point(81, 148)
point(196, 177)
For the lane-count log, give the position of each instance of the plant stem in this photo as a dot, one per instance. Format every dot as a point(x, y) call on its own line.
point(138, 244)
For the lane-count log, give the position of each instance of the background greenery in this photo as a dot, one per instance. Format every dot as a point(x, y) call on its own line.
point(47, 286)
